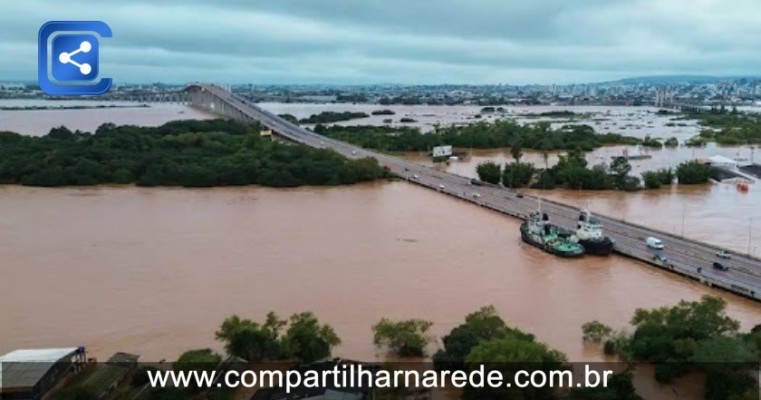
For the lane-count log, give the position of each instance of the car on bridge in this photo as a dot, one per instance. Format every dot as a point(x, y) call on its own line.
point(660, 258)
point(654, 243)
point(720, 266)
point(724, 254)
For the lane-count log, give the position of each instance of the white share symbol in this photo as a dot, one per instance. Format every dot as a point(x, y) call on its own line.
point(65, 58)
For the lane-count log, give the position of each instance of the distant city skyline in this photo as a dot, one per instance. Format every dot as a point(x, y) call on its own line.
point(400, 42)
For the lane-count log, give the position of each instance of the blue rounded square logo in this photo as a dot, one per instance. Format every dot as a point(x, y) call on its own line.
point(68, 57)
point(75, 57)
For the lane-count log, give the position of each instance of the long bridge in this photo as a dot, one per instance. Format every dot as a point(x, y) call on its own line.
point(684, 256)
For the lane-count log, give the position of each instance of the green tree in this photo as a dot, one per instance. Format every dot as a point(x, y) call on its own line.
point(510, 355)
point(405, 338)
point(308, 340)
point(489, 171)
point(651, 180)
point(695, 172)
point(251, 341)
point(480, 326)
point(671, 142)
point(517, 174)
point(620, 169)
point(654, 179)
point(595, 331)
point(670, 336)
point(516, 150)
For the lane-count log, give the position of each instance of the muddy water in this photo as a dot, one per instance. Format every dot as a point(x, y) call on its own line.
point(39, 122)
point(630, 121)
point(154, 271)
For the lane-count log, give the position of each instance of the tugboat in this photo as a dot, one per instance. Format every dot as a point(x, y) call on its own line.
point(538, 232)
point(590, 235)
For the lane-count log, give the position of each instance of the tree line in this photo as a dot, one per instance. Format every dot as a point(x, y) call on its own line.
point(689, 337)
point(326, 117)
point(572, 172)
point(180, 153)
point(480, 135)
point(727, 127)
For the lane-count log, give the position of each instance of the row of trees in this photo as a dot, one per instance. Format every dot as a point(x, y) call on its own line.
point(300, 337)
point(695, 336)
point(480, 135)
point(572, 172)
point(327, 117)
point(689, 337)
point(483, 339)
point(179, 153)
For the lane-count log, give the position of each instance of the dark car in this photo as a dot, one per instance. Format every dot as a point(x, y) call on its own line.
point(720, 266)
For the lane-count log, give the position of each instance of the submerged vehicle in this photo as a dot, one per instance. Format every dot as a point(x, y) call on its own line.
point(538, 232)
point(590, 234)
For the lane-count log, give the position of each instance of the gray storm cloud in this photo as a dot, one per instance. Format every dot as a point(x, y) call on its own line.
point(393, 41)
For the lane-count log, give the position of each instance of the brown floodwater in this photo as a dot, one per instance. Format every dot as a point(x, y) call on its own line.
point(155, 271)
point(39, 122)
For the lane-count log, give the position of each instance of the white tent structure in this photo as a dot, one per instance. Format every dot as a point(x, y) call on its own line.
point(723, 162)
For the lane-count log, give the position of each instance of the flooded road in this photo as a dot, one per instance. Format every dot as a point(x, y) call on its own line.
point(155, 271)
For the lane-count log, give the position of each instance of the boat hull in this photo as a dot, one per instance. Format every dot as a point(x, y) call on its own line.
point(528, 238)
point(598, 247)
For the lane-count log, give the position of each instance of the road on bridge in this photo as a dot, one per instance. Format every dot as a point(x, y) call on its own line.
point(688, 257)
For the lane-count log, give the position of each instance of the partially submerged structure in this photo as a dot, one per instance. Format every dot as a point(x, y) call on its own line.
point(29, 374)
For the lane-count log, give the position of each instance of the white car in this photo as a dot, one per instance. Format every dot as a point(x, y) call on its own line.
point(441, 187)
point(476, 195)
point(416, 176)
point(654, 243)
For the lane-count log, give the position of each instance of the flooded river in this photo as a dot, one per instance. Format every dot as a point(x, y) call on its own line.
point(155, 271)
point(39, 122)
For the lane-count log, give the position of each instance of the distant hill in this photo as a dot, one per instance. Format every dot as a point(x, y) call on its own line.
point(680, 79)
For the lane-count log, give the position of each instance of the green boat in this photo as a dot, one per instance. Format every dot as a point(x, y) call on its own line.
point(538, 232)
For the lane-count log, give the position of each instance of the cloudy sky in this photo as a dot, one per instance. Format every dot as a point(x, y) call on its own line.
point(398, 41)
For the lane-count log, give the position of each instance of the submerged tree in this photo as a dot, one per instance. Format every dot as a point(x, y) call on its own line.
point(406, 338)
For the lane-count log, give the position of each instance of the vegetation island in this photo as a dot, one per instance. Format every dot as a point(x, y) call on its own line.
point(181, 153)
